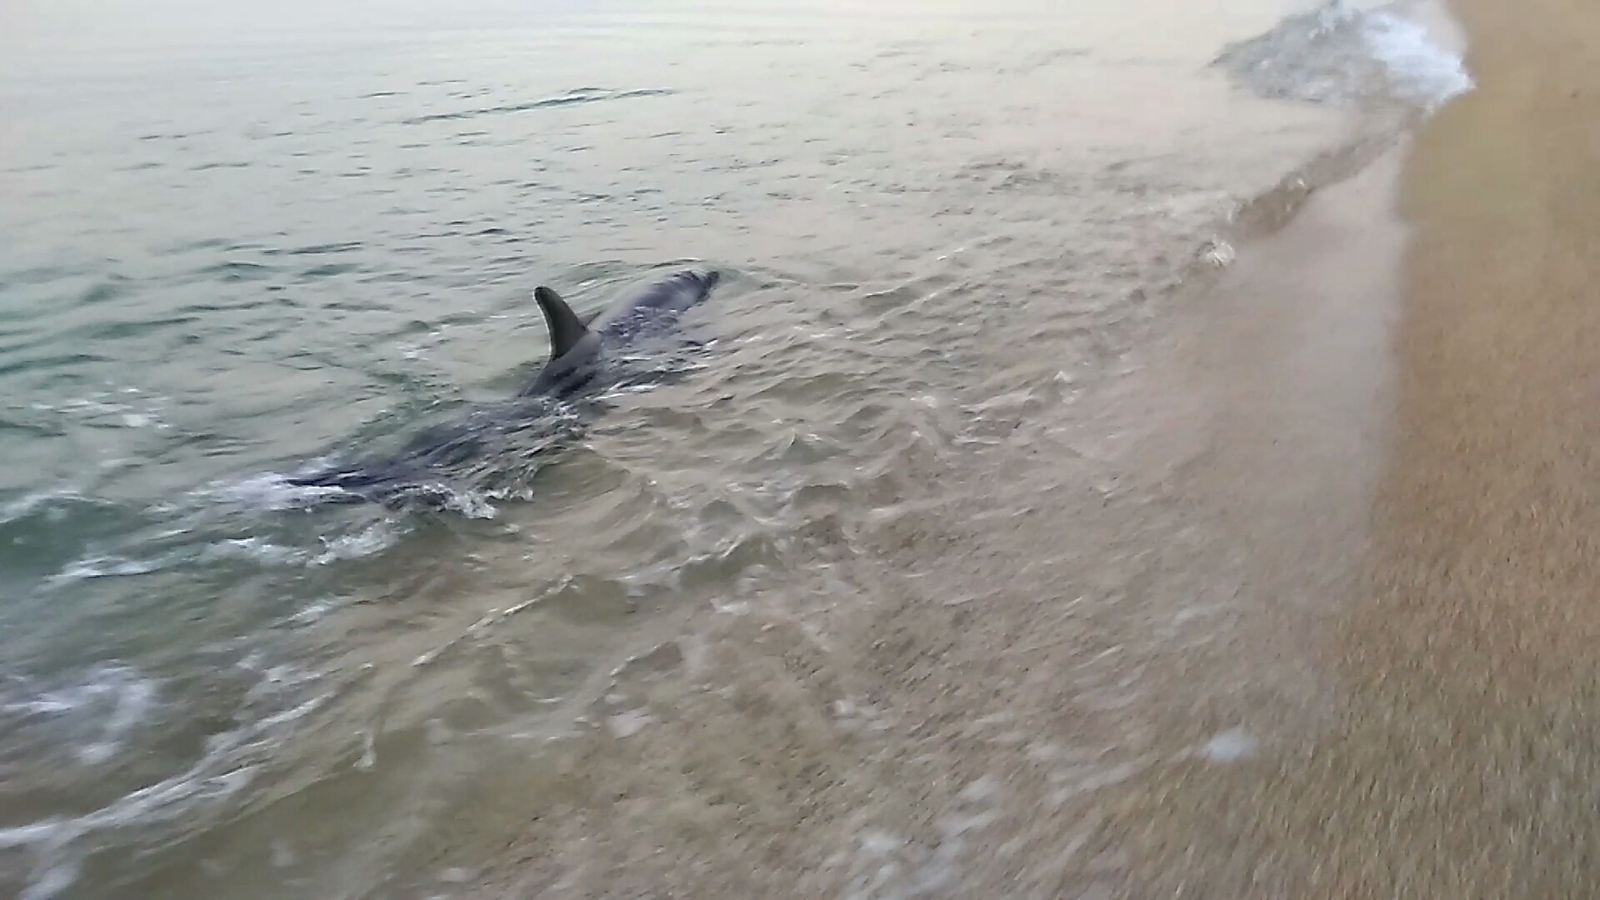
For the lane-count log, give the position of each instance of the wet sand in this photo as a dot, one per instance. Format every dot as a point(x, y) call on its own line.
point(1476, 710)
point(1464, 756)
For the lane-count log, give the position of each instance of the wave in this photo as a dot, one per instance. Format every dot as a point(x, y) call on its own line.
point(104, 567)
point(111, 702)
point(52, 503)
point(270, 491)
point(370, 540)
point(92, 716)
point(570, 98)
point(127, 408)
point(1340, 54)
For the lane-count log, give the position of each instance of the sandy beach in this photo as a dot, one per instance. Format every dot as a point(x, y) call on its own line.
point(1473, 665)
point(1462, 760)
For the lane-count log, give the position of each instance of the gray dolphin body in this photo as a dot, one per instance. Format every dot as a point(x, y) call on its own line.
point(585, 358)
point(581, 352)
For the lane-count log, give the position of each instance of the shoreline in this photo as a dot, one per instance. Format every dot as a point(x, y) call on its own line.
point(1262, 411)
point(1458, 756)
point(1271, 403)
point(1477, 637)
point(1271, 420)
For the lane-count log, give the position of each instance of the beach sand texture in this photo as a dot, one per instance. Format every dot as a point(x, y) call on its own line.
point(1464, 759)
point(1476, 665)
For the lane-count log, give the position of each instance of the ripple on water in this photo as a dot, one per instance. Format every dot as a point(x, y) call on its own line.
point(915, 253)
point(110, 718)
point(90, 717)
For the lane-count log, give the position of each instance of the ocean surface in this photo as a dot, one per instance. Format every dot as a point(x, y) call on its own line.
point(234, 243)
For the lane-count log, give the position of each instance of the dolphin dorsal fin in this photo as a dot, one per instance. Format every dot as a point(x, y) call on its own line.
point(566, 329)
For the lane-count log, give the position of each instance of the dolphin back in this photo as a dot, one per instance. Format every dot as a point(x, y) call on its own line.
point(544, 415)
point(656, 308)
point(577, 349)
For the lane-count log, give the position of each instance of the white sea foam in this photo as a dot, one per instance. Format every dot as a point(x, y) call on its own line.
point(270, 491)
point(258, 550)
point(1340, 53)
point(1420, 69)
point(275, 491)
point(230, 762)
point(373, 539)
point(1230, 746)
point(102, 709)
point(369, 541)
point(102, 567)
point(48, 500)
point(108, 410)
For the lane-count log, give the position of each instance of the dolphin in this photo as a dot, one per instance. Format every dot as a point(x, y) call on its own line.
point(586, 356)
point(581, 350)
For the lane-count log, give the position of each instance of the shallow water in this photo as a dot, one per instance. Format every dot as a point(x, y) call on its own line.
point(230, 248)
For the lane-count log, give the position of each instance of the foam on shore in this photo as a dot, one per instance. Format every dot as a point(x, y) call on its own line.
point(1457, 757)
